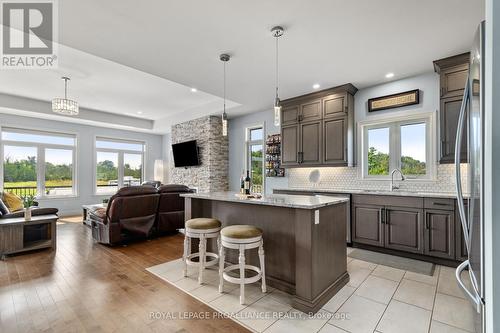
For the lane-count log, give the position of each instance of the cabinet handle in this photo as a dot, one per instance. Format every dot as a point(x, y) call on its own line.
point(301, 154)
point(439, 204)
point(442, 91)
point(346, 108)
point(381, 216)
point(427, 223)
point(298, 157)
point(387, 217)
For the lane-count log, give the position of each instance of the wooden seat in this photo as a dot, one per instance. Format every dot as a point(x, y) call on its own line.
point(241, 237)
point(203, 229)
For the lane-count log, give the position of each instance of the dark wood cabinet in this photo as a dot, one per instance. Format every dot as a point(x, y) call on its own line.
point(335, 105)
point(449, 113)
point(453, 72)
point(310, 111)
point(290, 115)
point(404, 229)
point(334, 141)
point(453, 79)
point(290, 145)
point(439, 237)
point(367, 224)
point(310, 143)
point(325, 129)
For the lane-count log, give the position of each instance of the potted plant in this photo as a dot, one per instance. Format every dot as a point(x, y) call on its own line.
point(28, 202)
point(105, 202)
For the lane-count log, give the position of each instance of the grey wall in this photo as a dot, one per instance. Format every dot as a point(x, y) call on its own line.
point(237, 128)
point(85, 156)
point(428, 84)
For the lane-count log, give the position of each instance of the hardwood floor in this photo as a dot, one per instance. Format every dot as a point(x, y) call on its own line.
point(88, 287)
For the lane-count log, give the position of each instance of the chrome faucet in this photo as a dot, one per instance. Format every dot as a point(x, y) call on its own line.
point(395, 187)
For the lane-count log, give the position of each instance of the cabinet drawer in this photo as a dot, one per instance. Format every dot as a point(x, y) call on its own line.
point(388, 200)
point(439, 203)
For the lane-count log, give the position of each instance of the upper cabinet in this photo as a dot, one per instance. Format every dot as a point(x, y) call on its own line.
point(453, 72)
point(318, 128)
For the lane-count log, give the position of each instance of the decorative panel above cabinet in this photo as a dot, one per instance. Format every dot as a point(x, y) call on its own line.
point(453, 73)
point(322, 124)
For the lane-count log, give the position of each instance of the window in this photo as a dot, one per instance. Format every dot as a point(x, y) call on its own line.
point(255, 157)
point(38, 163)
point(403, 144)
point(119, 163)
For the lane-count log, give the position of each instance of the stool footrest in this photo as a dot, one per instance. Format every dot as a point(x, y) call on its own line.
point(246, 280)
point(190, 262)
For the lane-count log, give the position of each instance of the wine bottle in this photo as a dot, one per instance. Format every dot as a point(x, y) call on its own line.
point(247, 183)
point(242, 182)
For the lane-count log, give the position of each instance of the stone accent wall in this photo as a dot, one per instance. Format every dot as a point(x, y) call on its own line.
point(212, 173)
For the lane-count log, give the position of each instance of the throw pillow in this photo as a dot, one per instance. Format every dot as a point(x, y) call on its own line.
point(3, 208)
point(12, 201)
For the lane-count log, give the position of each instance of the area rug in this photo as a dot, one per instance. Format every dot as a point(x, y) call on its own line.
point(407, 264)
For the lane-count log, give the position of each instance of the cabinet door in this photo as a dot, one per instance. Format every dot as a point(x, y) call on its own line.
point(310, 111)
point(404, 229)
point(290, 145)
point(439, 234)
point(453, 80)
point(310, 143)
point(449, 112)
point(367, 225)
point(289, 115)
point(335, 105)
point(334, 141)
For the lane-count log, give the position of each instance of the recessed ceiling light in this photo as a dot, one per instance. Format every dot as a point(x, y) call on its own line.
point(389, 75)
point(316, 86)
point(139, 112)
point(194, 90)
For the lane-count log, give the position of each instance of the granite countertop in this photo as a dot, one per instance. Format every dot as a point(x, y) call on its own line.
point(374, 192)
point(278, 200)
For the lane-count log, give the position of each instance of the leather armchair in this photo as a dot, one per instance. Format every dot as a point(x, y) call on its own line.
point(171, 208)
point(130, 213)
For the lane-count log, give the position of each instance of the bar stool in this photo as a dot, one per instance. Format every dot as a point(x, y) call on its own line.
point(241, 237)
point(201, 228)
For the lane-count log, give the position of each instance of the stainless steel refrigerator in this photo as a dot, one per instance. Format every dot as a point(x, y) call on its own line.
point(471, 205)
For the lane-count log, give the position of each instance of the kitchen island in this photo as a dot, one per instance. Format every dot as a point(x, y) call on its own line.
point(304, 239)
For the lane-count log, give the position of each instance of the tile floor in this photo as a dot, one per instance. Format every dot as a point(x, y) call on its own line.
point(377, 299)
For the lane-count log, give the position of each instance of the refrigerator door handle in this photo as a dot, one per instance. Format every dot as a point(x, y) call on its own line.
point(458, 177)
point(474, 297)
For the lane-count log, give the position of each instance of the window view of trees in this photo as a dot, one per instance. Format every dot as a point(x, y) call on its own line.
point(256, 170)
point(378, 162)
point(411, 157)
point(106, 171)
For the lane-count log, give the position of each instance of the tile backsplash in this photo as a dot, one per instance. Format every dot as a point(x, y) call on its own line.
point(348, 178)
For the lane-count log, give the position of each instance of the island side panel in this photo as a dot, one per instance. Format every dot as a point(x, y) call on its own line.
point(321, 266)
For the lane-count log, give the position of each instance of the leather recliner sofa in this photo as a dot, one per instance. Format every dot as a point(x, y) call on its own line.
point(139, 212)
point(171, 208)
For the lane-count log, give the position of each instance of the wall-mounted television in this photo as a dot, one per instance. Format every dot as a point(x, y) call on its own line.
point(185, 154)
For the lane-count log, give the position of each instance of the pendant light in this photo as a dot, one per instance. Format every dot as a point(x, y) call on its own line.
point(64, 105)
point(277, 32)
point(224, 58)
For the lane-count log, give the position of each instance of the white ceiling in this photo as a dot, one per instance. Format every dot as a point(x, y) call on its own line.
point(330, 42)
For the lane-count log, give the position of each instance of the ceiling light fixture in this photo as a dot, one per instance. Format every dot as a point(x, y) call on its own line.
point(194, 90)
point(277, 32)
point(224, 58)
point(316, 86)
point(64, 105)
point(389, 75)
